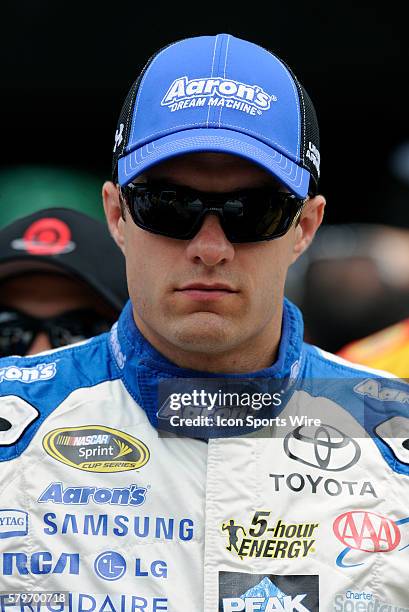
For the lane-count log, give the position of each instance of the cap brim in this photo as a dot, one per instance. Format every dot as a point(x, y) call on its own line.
point(24, 264)
point(67, 241)
point(295, 178)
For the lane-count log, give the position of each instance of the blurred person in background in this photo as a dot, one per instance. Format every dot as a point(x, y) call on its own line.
point(62, 277)
point(62, 280)
point(54, 288)
point(353, 282)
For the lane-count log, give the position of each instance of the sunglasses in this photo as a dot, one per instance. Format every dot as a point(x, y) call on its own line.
point(250, 215)
point(18, 330)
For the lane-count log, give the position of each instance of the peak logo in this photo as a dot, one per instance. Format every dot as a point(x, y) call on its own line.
point(267, 604)
point(270, 594)
point(184, 93)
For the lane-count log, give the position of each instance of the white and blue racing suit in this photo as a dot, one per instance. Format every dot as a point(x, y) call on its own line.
point(307, 510)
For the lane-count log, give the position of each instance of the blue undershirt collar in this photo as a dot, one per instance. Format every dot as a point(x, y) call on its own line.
point(143, 368)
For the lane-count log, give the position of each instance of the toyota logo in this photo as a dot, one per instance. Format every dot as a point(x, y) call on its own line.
point(324, 447)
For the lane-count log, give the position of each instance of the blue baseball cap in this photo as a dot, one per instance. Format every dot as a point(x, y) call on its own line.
point(220, 94)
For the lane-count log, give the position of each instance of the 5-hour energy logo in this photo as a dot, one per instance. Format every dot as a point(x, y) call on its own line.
point(280, 540)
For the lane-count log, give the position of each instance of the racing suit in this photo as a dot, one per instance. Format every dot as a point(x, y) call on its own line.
point(307, 511)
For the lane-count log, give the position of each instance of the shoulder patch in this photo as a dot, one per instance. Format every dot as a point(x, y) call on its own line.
point(32, 388)
point(394, 432)
point(15, 416)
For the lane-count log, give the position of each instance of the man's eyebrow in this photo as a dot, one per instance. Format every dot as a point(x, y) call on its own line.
point(142, 178)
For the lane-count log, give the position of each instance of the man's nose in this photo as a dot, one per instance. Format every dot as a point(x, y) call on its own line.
point(210, 245)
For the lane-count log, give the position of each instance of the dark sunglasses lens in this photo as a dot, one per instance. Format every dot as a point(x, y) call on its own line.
point(165, 211)
point(16, 334)
point(261, 216)
point(76, 326)
point(18, 331)
point(249, 216)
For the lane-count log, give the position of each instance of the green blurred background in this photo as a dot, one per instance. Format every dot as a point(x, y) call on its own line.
point(26, 189)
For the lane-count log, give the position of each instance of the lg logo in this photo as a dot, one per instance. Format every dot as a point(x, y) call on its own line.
point(110, 566)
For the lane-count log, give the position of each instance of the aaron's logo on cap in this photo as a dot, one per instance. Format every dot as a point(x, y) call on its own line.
point(95, 448)
point(215, 91)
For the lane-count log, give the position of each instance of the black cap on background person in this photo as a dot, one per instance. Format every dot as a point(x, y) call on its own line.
point(62, 279)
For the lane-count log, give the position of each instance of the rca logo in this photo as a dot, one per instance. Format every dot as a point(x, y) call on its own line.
point(366, 531)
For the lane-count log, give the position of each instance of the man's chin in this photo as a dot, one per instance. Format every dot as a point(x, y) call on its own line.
point(203, 332)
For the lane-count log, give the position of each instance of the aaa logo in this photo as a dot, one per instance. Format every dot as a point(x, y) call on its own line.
point(367, 531)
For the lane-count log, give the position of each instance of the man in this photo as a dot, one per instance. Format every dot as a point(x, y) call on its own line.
point(216, 163)
point(62, 280)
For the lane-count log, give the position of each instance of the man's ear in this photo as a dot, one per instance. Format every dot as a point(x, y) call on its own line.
point(310, 220)
point(114, 213)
